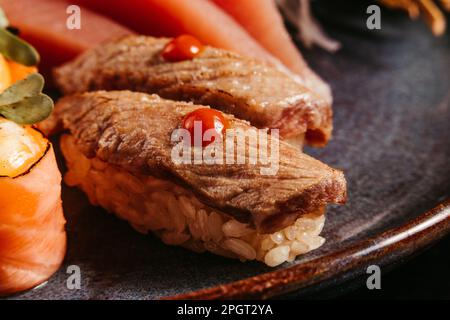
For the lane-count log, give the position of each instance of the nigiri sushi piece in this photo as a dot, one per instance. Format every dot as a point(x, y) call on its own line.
point(32, 236)
point(43, 24)
point(119, 150)
point(213, 26)
point(245, 87)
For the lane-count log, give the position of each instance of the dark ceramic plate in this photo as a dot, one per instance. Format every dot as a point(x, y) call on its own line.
point(392, 138)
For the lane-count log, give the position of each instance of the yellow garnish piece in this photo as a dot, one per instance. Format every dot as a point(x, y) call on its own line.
point(20, 148)
point(428, 9)
point(5, 75)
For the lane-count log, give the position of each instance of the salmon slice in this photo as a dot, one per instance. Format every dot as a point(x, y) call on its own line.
point(32, 236)
point(263, 21)
point(43, 24)
point(200, 18)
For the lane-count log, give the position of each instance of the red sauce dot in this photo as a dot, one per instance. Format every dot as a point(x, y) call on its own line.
point(209, 119)
point(182, 48)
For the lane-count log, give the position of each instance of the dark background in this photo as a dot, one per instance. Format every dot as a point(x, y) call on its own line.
point(427, 275)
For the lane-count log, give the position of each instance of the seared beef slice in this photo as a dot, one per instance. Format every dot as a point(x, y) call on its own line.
point(133, 131)
point(249, 89)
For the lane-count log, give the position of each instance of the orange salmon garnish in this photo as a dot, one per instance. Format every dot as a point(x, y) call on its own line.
point(5, 75)
point(32, 235)
point(19, 71)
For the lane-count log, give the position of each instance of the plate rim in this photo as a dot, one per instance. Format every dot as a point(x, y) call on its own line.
point(418, 233)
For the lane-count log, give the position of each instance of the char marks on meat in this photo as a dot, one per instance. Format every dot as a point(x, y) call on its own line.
point(247, 88)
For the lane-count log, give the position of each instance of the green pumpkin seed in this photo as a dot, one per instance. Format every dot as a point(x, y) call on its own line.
point(30, 86)
point(17, 50)
point(24, 103)
point(29, 110)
